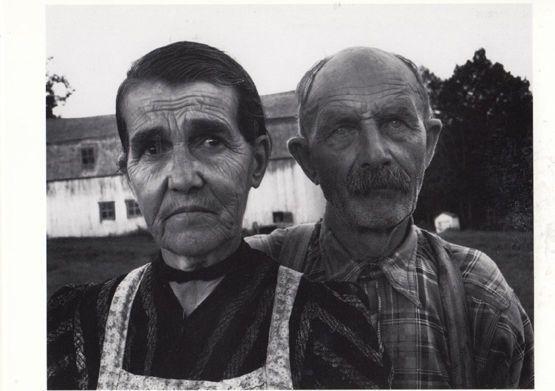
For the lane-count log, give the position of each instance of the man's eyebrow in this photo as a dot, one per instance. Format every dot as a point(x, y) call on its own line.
point(401, 106)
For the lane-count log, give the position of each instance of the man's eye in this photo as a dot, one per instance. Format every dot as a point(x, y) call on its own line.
point(342, 131)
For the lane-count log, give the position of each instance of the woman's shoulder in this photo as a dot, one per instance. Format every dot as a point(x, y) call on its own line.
point(73, 297)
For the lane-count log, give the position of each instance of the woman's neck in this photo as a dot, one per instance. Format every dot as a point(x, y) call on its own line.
point(193, 262)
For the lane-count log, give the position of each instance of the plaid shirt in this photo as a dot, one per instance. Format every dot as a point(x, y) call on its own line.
point(405, 298)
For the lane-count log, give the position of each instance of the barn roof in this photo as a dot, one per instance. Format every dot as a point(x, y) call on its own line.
point(62, 130)
point(280, 110)
point(280, 105)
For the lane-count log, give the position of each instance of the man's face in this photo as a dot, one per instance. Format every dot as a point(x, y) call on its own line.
point(188, 164)
point(367, 140)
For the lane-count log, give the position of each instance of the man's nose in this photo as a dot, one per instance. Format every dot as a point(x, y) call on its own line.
point(184, 171)
point(373, 149)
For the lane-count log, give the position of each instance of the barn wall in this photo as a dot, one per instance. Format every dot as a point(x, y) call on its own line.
point(64, 160)
point(73, 204)
point(73, 207)
point(284, 188)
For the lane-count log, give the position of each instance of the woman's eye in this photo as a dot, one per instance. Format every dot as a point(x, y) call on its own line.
point(153, 149)
point(156, 147)
point(395, 124)
point(212, 142)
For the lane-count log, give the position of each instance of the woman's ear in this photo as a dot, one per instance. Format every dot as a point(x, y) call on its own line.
point(262, 150)
point(298, 148)
point(122, 163)
point(122, 168)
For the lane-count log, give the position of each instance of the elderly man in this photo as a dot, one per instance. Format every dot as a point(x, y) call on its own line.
point(209, 311)
point(445, 314)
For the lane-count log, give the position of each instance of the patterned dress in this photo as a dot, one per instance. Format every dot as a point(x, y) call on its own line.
point(263, 326)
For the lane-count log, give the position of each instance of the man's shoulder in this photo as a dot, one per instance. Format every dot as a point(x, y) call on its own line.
point(483, 281)
point(278, 236)
point(283, 244)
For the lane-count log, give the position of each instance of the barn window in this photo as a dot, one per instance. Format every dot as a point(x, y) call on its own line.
point(107, 210)
point(282, 217)
point(132, 208)
point(87, 158)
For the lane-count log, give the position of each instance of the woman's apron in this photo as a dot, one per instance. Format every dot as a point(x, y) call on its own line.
point(275, 374)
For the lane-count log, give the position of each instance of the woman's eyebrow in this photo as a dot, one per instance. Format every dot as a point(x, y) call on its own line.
point(146, 134)
point(211, 126)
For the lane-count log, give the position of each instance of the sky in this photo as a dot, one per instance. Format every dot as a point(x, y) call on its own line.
point(94, 46)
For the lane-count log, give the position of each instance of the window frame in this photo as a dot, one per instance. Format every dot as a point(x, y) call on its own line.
point(88, 157)
point(103, 213)
point(132, 206)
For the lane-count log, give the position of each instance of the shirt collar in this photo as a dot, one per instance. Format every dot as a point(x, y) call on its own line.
point(398, 268)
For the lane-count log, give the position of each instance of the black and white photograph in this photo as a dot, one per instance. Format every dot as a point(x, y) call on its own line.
point(288, 196)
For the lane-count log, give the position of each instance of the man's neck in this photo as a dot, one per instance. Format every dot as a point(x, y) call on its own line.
point(193, 262)
point(363, 243)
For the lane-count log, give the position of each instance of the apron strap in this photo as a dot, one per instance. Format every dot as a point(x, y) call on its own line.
point(278, 366)
point(115, 332)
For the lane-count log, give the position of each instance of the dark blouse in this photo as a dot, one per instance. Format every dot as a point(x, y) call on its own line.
point(332, 344)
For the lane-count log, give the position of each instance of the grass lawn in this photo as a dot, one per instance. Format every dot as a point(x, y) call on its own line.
point(80, 260)
point(512, 252)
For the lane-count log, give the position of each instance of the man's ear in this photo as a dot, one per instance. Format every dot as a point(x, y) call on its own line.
point(433, 130)
point(262, 150)
point(298, 148)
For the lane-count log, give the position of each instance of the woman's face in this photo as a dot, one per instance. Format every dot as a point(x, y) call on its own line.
point(189, 165)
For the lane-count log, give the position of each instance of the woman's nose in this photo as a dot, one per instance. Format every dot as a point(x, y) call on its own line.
point(185, 171)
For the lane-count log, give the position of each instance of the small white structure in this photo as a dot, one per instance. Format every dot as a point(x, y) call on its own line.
point(445, 221)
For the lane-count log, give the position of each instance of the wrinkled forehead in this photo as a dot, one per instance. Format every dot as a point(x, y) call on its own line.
point(361, 72)
point(157, 97)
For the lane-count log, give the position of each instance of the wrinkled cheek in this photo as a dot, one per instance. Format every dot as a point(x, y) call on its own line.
point(231, 195)
point(148, 188)
point(233, 204)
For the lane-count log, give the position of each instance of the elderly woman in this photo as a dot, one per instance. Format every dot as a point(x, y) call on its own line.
point(208, 311)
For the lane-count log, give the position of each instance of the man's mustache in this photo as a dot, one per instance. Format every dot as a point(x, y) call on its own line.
point(365, 180)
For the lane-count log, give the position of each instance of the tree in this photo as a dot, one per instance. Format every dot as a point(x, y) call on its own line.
point(439, 185)
point(58, 90)
point(485, 149)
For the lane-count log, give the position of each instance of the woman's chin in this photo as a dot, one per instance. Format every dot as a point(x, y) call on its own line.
point(197, 242)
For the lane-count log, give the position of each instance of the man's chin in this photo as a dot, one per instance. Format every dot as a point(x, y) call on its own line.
point(377, 217)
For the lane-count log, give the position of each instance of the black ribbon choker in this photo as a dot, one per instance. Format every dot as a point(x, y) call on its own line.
point(168, 273)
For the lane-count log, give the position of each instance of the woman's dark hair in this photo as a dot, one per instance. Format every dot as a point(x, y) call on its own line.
point(185, 62)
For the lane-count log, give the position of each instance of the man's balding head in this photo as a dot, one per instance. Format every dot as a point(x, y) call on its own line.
point(367, 135)
point(347, 68)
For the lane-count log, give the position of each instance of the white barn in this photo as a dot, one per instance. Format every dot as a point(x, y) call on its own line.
point(86, 196)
